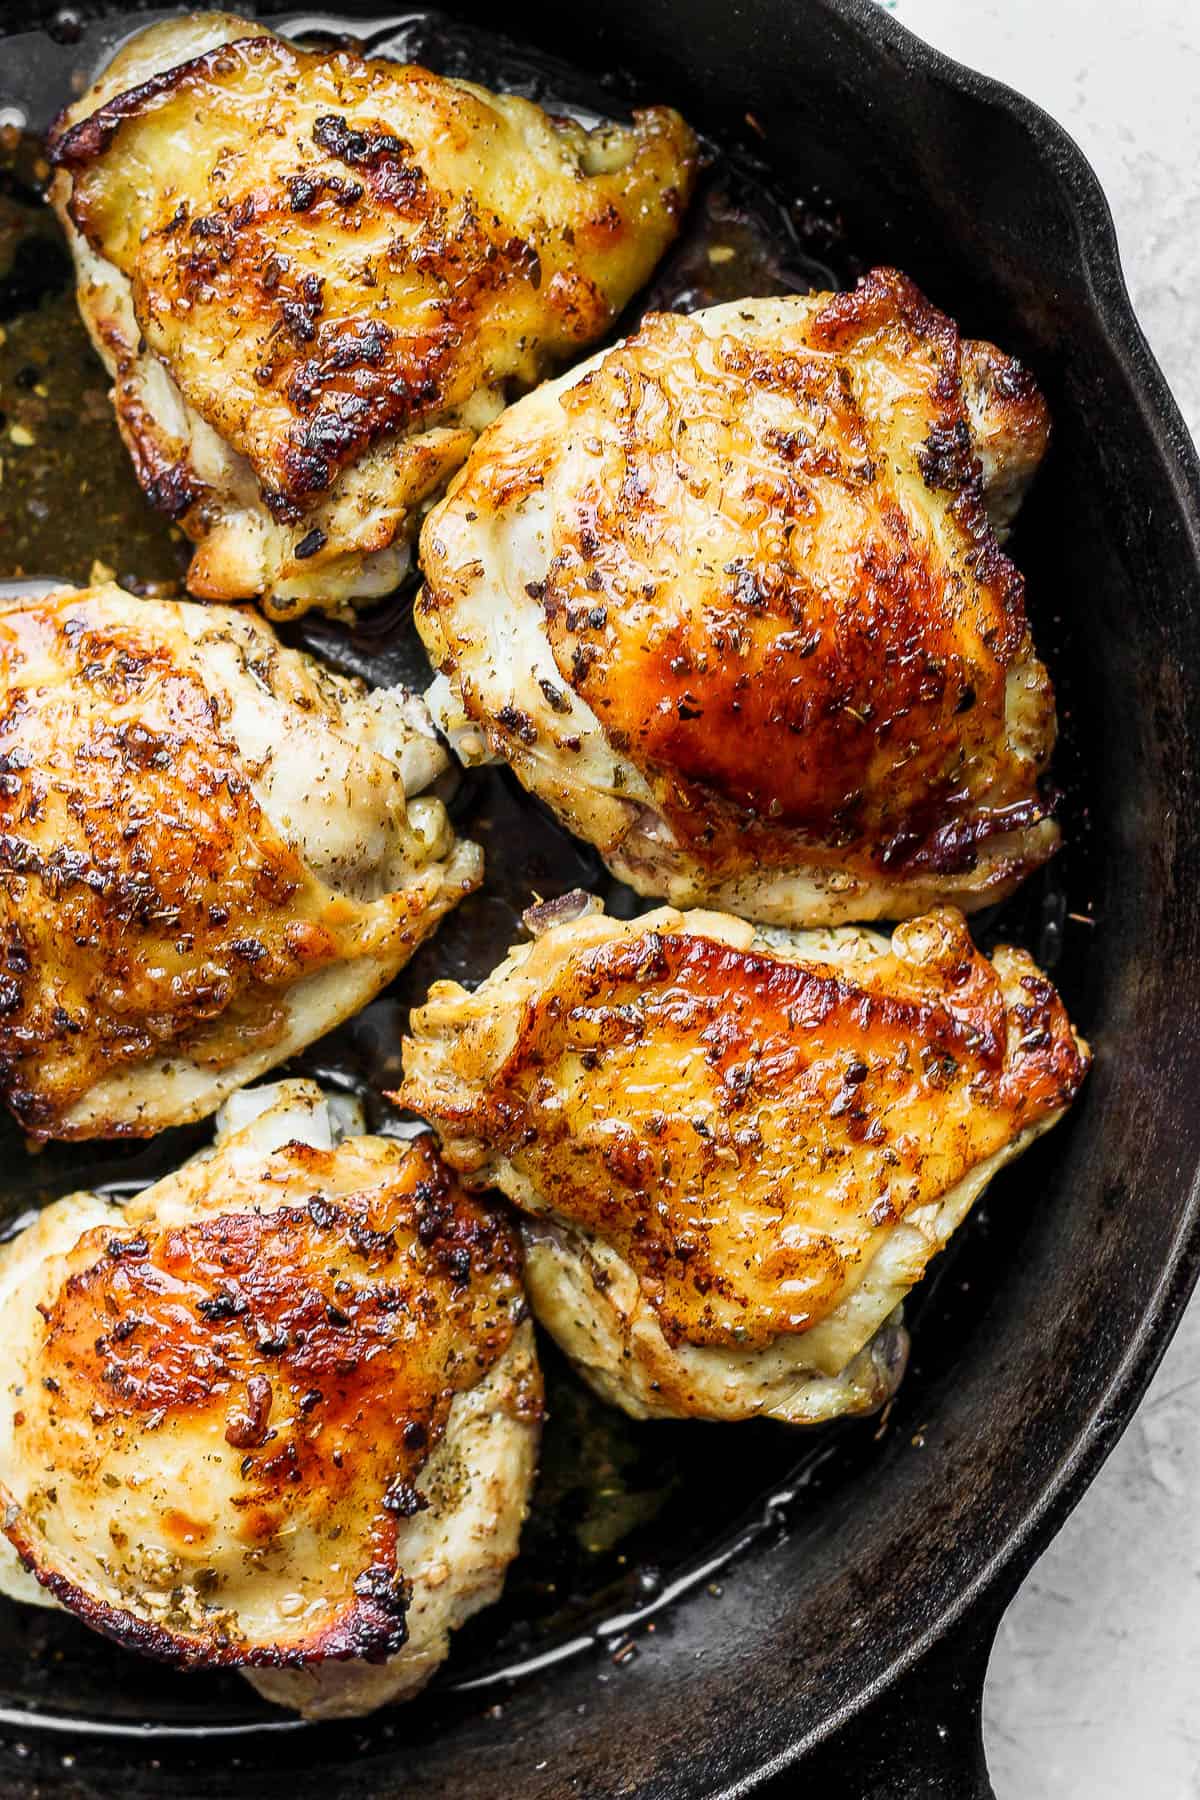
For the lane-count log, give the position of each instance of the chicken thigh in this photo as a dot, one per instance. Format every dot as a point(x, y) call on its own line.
point(315, 277)
point(736, 1151)
point(208, 856)
point(730, 599)
point(278, 1413)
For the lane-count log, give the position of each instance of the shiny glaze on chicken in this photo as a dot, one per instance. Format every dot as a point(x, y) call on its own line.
point(225, 1403)
point(207, 856)
point(757, 1138)
point(730, 599)
point(315, 276)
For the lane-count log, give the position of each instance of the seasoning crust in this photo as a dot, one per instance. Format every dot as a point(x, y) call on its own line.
point(746, 1132)
point(337, 266)
point(229, 1399)
point(767, 651)
point(194, 827)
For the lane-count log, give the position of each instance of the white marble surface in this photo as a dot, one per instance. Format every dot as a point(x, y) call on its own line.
point(1094, 1689)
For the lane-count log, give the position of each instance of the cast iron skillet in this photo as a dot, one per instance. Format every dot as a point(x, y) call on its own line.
point(849, 1640)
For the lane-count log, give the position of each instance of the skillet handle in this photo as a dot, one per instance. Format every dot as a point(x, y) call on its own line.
point(920, 1740)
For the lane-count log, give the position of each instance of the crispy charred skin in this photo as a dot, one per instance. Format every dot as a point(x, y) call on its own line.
point(143, 891)
point(771, 578)
point(327, 251)
point(147, 904)
point(743, 1129)
point(309, 1356)
point(760, 624)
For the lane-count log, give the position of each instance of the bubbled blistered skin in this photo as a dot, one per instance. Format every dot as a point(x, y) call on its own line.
point(737, 1150)
point(208, 856)
point(730, 598)
point(315, 277)
point(278, 1413)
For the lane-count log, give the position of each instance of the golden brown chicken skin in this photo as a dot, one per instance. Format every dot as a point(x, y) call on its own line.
point(207, 856)
point(239, 1413)
point(315, 276)
point(737, 1151)
point(730, 599)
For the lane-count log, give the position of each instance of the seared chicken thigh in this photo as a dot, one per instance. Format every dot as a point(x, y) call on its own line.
point(737, 1151)
point(278, 1413)
point(730, 599)
point(314, 278)
point(208, 856)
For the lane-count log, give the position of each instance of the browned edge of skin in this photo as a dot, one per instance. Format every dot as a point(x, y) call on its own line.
point(75, 146)
point(373, 1629)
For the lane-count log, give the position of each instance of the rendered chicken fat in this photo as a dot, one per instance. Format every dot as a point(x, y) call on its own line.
point(208, 856)
point(729, 598)
point(737, 1151)
point(315, 277)
point(280, 1412)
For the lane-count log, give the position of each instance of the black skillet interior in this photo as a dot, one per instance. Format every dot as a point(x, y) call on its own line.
point(839, 142)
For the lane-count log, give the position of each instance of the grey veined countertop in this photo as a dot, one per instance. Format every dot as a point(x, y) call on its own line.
point(1094, 1687)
